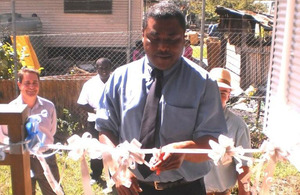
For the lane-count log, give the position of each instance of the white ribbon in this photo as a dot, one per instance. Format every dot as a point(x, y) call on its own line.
point(49, 176)
point(119, 160)
point(85, 176)
point(223, 152)
point(123, 157)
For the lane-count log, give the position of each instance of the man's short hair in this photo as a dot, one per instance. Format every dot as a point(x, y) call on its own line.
point(101, 61)
point(24, 70)
point(164, 10)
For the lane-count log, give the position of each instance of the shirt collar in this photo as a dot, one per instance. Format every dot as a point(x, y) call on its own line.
point(37, 103)
point(149, 66)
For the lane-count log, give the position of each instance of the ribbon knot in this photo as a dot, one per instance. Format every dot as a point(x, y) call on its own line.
point(35, 137)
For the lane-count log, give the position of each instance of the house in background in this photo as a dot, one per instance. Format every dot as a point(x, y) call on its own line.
point(77, 32)
point(65, 16)
point(245, 41)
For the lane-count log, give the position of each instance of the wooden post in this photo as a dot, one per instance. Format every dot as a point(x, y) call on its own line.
point(14, 116)
point(258, 112)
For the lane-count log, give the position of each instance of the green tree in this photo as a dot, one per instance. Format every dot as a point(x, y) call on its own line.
point(7, 65)
point(233, 4)
point(195, 7)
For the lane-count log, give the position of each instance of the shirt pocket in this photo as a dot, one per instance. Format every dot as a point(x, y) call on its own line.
point(178, 123)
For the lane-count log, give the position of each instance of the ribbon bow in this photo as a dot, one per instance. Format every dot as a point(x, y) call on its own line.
point(35, 137)
point(85, 145)
point(124, 157)
point(223, 152)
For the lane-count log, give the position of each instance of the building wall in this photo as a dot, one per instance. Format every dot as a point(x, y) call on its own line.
point(54, 20)
point(82, 29)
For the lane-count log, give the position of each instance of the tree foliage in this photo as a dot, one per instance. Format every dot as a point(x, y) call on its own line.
point(238, 5)
point(195, 6)
point(7, 65)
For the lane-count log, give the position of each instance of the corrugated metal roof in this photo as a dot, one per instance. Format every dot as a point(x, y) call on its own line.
point(264, 20)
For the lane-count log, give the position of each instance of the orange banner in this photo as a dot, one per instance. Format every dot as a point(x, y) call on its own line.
point(23, 44)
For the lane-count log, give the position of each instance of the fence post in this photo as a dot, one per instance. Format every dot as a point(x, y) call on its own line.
point(213, 53)
point(14, 116)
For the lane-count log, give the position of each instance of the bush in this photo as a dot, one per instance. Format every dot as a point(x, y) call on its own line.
point(67, 125)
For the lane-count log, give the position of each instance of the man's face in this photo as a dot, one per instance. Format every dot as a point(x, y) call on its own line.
point(163, 41)
point(104, 70)
point(225, 94)
point(29, 88)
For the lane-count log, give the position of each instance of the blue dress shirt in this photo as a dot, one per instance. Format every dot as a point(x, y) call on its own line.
point(190, 107)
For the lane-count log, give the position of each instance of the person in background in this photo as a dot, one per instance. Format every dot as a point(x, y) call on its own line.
point(189, 112)
point(89, 101)
point(28, 83)
point(138, 52)
point(213, 30)
point(222, 178)
point(188, 50)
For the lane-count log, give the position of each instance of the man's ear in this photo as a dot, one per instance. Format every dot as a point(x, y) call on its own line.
point(19, 85)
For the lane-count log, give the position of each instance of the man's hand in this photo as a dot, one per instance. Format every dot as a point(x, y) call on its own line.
point(163, 161)
point(134, 188)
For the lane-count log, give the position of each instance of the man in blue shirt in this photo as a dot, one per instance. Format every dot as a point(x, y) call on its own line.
point(190, 112)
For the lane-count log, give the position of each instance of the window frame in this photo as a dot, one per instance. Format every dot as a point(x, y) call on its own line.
point(88, 6)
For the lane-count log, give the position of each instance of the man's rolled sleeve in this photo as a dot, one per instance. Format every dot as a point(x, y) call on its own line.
point(210, 119)
point(107, 117)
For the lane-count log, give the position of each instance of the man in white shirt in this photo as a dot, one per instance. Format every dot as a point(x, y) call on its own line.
point(89, 101)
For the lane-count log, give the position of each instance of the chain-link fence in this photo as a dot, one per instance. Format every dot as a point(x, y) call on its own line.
point(248, 62)
point(61, 54)
point(67, 59)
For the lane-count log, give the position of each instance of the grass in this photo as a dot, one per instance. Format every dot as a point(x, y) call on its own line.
point(286, 178)
point(69, 169)
point(5, 181)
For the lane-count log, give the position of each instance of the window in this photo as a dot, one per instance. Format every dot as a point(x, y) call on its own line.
point(88, 6)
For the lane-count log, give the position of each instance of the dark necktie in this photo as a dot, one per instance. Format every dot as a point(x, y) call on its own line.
point(149, 120)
